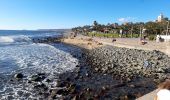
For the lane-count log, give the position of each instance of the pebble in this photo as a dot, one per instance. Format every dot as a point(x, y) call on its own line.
point(128, 64)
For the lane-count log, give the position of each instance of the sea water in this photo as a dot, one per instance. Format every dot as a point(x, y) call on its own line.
point(18, 54)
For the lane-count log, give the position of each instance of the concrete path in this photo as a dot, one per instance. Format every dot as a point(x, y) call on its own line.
point(149, 96)
point(134, 43)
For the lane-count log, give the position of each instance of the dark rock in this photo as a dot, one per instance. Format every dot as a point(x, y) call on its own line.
point(48, 80)
point(62, 92)
point(75, 98)
point(20, 93)
point(132, 86)
point(74, 89)
point(62, 84)
point(41, 86)
point(68, 79)
point(119, 85)
point(29, 81)
point(37, 78)
point(130, 96)
point(10, 98)
point(18, 76)
point(41, 74)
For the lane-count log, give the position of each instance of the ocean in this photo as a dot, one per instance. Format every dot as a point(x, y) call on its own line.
point(18, 54)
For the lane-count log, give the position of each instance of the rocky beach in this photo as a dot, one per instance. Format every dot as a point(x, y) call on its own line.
point(116, 73)
point(105, 79)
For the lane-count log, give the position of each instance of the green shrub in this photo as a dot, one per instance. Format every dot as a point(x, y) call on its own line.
point(151, 37)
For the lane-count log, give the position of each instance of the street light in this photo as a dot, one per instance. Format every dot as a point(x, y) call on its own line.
point(141, 28)
point(167, 28)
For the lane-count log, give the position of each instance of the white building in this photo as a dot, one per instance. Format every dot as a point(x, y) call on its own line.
point(160, 17)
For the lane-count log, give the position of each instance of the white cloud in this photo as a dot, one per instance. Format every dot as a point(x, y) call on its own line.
point(127, 19)
point(121, 19)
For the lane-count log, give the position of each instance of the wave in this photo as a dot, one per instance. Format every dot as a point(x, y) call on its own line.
point(42, 57)
point(14, 39)
point(6, 39)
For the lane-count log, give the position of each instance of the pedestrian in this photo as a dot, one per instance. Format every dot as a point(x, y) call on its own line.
point(113, 40)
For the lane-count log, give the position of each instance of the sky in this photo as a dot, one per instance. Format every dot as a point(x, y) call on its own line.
point(57, 14)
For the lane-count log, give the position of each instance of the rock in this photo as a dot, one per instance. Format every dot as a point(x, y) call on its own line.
point(68, 79)
point(10, 98)
point(41, 86)
point(132, 85)
point(62, 84)
point(48, 80)
point(87, 75)
point(20, 93)
point(18, 76)
point(96, 69)
point(130, 96)
point(41, 74)
point(36, 78)
point(75, 98)
point(62, 92)
point(74, 88)
point(53, 93)
point(29, 81)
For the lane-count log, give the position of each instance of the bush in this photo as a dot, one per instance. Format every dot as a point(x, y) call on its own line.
point(152, 37)
point(109, 35)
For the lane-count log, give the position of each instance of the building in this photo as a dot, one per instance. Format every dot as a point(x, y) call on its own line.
point(115, 25)
point(160, 18)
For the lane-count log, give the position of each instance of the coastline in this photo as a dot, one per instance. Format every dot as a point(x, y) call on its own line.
point(146, 85)
point(92, 78)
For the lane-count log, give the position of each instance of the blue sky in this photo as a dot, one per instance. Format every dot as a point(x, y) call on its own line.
point(53, 14)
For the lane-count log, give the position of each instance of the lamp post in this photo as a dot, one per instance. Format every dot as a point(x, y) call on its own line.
point(140, 31)
point(167, 28)
point(132, 31)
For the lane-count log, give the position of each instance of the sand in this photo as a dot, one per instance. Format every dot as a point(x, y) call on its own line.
point(133, 43)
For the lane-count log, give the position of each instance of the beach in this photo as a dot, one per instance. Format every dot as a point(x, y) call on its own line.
point(82, 68)
point(84, 50)
point(133, 43)
point(145, 84)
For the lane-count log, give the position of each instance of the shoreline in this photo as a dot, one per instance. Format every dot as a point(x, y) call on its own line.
point(85, 81)
point(38, 82)
point(83, 42)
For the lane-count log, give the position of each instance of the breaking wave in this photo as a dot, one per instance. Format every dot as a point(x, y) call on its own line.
point(14, 39)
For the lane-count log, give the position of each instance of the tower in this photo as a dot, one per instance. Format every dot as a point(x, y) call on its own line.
point(160, 17)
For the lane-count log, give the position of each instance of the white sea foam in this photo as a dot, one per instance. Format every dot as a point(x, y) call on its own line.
point(41, 57)
point(6, 39)
point(22, 38)
point(14, 39)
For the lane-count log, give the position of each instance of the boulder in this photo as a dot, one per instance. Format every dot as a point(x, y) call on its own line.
point(18, 76)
